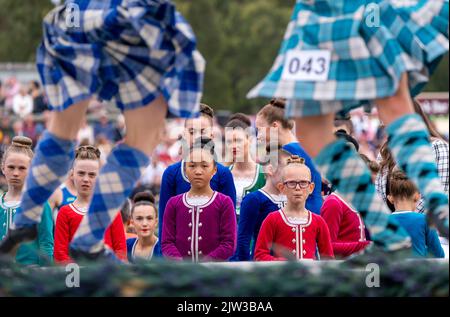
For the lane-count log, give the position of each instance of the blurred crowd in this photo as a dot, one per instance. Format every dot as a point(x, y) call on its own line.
point(24, 112)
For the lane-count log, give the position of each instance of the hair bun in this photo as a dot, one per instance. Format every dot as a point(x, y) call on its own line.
point(399, 175)
point(146, 196)
point(241, 118)
point(22, 141)
point(206, 110)
point(295, 159)
point(278, 102)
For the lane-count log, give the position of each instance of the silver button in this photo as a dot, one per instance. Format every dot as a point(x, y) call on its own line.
point(200, 252)
point(293, 229)
point(200, 237)
point(200, 210)
point(293, 240)
point(190, 224)
point(293, 251)
point(304, 241)
point(359, 227)
point(304, 251)
point(189, 252)
point(189, 238)
point(303, 229)
point(190, 210)
point(200, 224)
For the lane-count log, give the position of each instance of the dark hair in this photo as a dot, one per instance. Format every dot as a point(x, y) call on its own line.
point(36, 84)
point(206, 111)
point(274, 111)
point(400, 186)
point(21, 145)
point(87, 152)
point(430, 127)
point(344, 120)
point(342, 134)
point(207, 144)
point(239, 120)
point(125, 211)
point(145, 198)
point(373, 166)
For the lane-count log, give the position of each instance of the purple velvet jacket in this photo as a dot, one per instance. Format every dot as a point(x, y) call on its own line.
point(199, 233)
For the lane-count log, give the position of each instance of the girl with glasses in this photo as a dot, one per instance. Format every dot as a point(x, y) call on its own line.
point(294, 232)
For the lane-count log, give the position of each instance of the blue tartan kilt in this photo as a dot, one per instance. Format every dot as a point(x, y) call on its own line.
point(371, 43)
point(128, 52)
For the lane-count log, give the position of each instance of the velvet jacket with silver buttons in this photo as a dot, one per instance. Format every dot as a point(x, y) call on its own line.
point(279, 239)
point(199, 233)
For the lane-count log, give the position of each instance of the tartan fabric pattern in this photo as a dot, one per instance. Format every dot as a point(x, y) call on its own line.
point(50, 165)
point(126, 51)
point(341, 165)
point(441, 153)
point(408, 140)
point(114, 184)
point(366, 60)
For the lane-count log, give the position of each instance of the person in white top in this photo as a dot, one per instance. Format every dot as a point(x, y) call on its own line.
point(22, 103)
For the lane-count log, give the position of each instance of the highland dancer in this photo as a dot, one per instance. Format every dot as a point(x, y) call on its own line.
point(139, 54)
point(338, 55)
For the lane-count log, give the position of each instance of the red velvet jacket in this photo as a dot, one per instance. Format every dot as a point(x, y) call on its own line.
point(279, 239)
point(345, 224)
point(67, 223)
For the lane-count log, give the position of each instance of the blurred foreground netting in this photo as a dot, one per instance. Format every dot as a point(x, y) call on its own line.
point(356, 278)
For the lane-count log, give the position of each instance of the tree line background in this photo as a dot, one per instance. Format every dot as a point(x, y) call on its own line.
point(239, 40)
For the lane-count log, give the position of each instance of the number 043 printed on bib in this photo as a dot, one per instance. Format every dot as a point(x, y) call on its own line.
point(311, 65)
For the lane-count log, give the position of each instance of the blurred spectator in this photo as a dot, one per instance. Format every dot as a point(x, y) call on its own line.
point(104, 127)
point(12, 88)
point(6, 127)
point(22, 103)
point(18, 128)
point(86, 134)
point(153, 175)
point(29, 128)
point(119, 129)
point(2, 97)
point(39, 102)
point(105, 147)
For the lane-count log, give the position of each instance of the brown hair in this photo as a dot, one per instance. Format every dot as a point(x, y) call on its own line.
point(373, 166)
point(20, 145)
point(274, 111)
point(400, 186)
point(145, 198)
point(430, 127)
point(205, 111)
point(87, 152)
point(239, 120)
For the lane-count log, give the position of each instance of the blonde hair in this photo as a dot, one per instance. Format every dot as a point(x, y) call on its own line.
point(20, 145)
point(296, 161)
point(87, 152)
